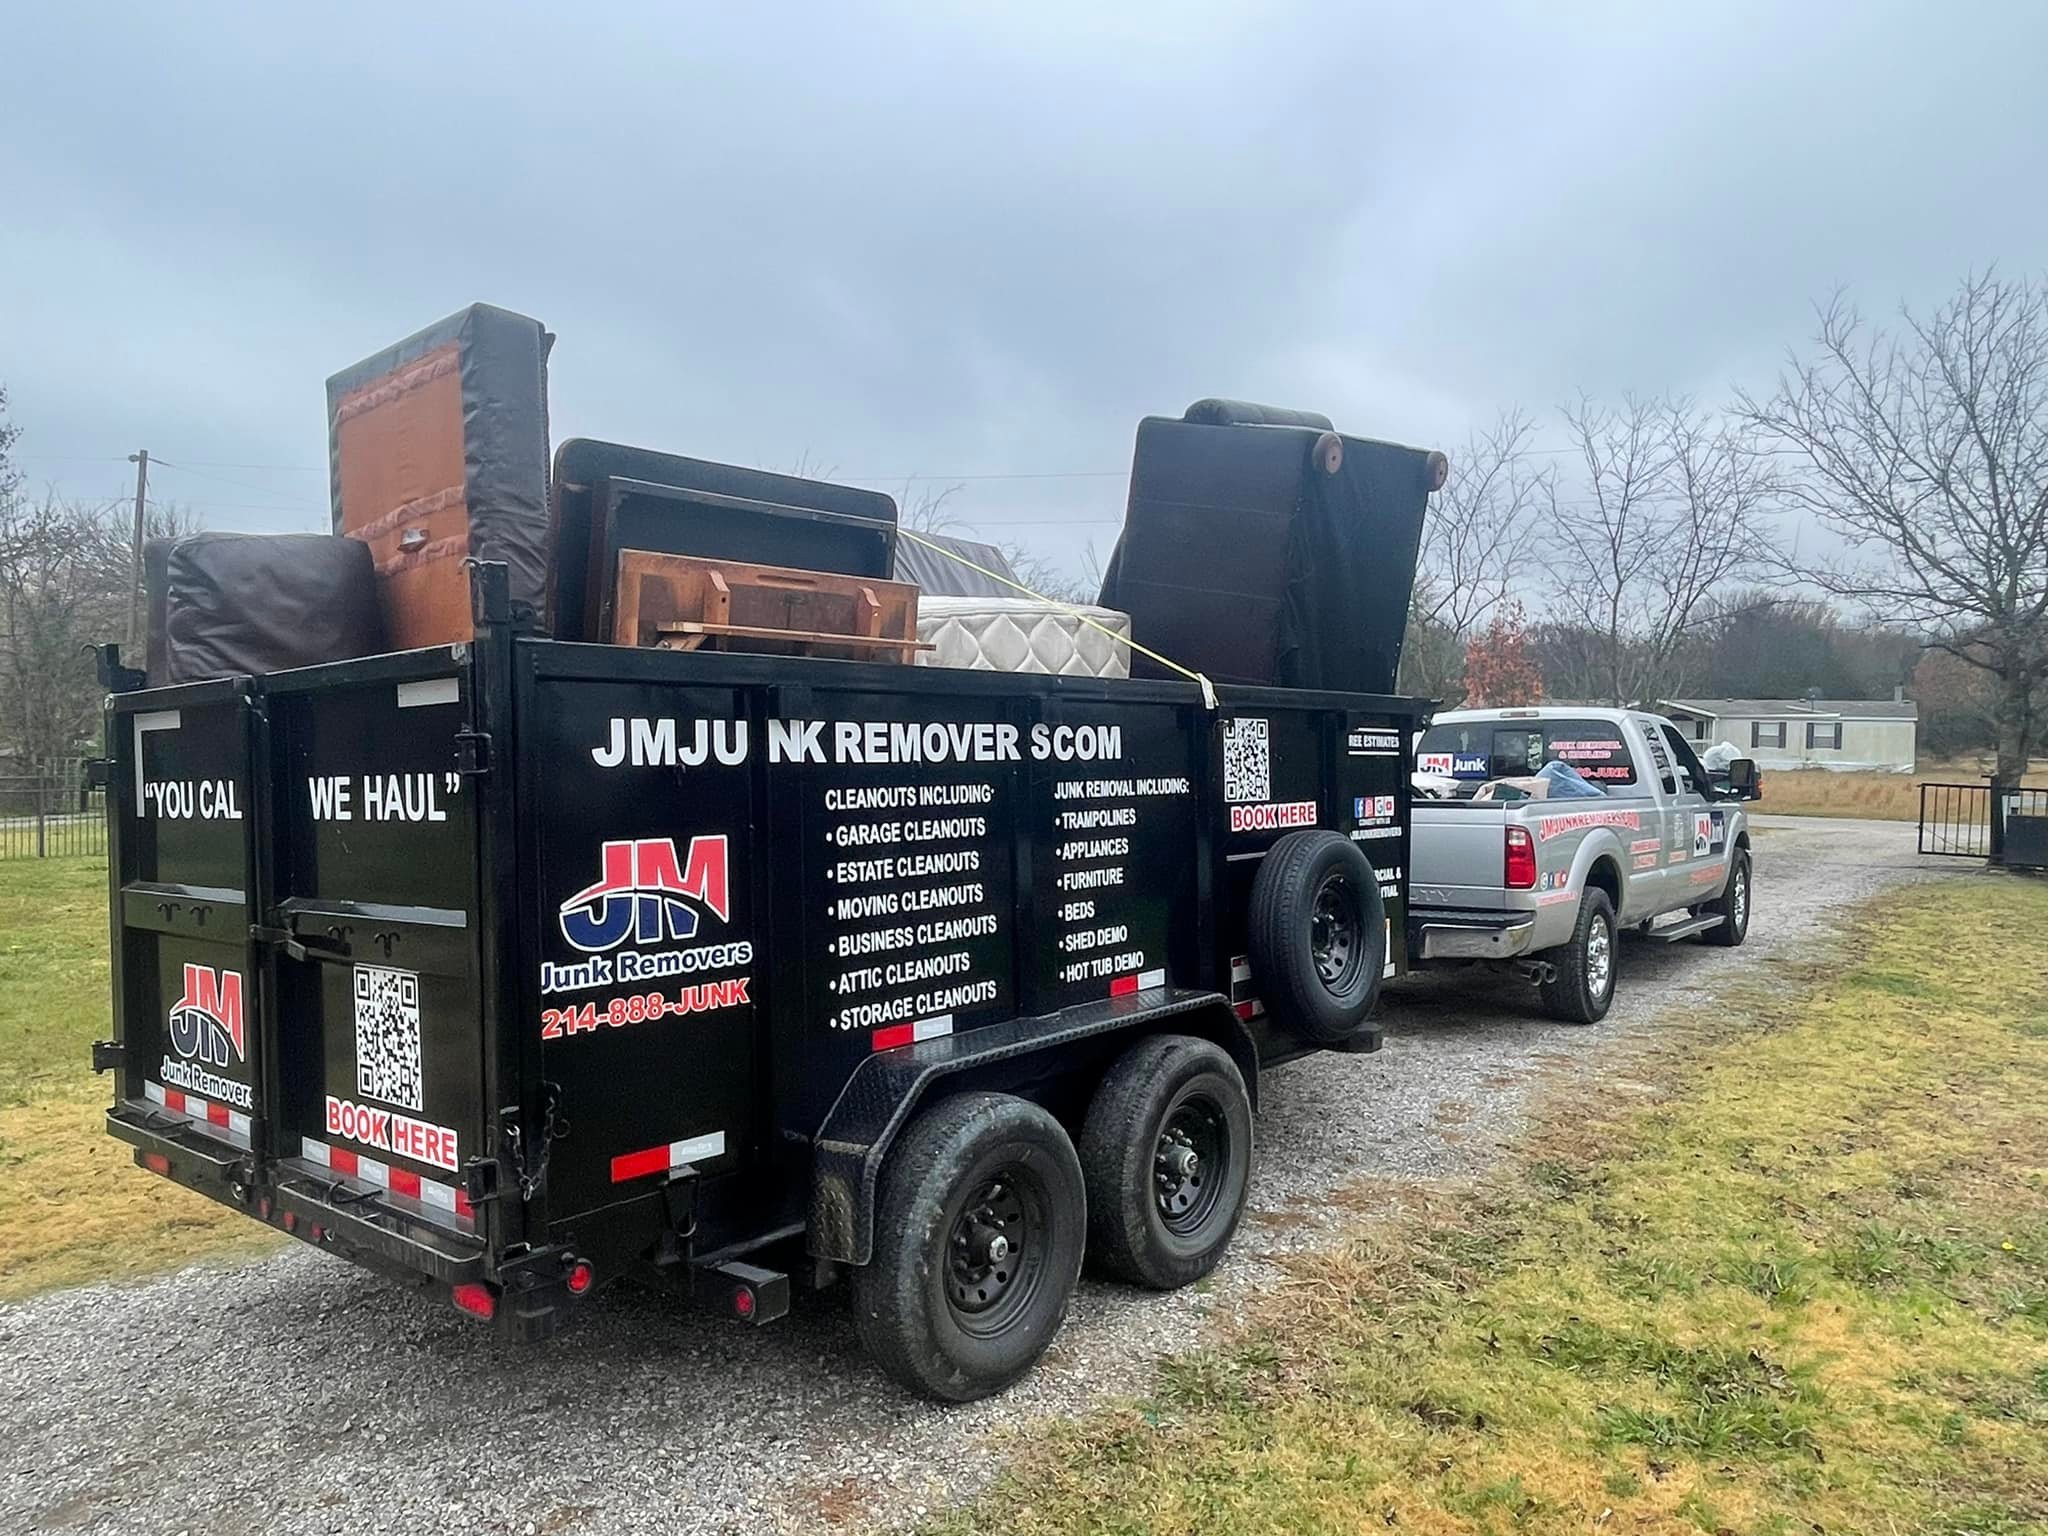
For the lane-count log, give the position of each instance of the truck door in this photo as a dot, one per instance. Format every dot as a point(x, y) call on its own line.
point(1657, 875)
point(1699, 855)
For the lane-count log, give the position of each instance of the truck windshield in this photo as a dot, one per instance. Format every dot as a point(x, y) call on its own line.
point(1477, 750)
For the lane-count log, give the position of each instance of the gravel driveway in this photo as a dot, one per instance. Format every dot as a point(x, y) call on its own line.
point(297, 1394)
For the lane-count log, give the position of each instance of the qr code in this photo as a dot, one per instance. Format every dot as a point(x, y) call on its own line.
point(1247, 760)
point(388, 1035)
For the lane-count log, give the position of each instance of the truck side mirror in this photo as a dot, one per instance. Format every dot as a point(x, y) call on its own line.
point(1742, 778)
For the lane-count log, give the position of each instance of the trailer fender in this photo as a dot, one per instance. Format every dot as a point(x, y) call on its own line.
point(886, 1089)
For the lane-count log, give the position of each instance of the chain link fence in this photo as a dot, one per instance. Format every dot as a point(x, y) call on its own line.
point(48, 811)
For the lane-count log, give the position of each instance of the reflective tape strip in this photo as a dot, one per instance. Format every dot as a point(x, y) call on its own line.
point(203, 1112)
point(677, 1154)
point(438, 1201)
point(435, 690)
point(909, 1034)
point(1139, 981)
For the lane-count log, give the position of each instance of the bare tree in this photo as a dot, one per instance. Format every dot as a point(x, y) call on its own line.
point(1476, 536)
point(1050, 579)
point(10, 477)
point(64, 579)
point(1671, 505)
point(1925, 452)
point(923, 507)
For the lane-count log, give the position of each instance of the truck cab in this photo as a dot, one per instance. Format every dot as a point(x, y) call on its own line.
point(1541, 833)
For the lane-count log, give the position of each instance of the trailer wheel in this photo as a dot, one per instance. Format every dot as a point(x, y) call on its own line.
point(1581, 988)
point(978, 1238)
point(1733, 905)
point(1317, 932)
point(1167, 1154)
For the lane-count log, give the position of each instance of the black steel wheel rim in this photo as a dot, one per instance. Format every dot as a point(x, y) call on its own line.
point(995, 1253)
point(1337, 933)
point(1191, 1164)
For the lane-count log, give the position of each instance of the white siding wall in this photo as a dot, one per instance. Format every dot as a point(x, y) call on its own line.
point(1866, 744)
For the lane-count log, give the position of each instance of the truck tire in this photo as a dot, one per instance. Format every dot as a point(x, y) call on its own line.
point(1582, 987)
point(1166, 1151)
point(1733, 905)
point(979, 1230)
point(1317, 932)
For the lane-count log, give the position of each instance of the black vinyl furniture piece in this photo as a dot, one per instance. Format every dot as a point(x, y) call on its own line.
point(1262, 547)
point(608, 497)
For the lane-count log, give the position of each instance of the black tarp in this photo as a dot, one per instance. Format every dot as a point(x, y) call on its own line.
point(1270, 554)
point(227, 603)
point(937, 576)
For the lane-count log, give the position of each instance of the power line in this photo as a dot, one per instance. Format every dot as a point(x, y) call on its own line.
point(1042, 522)
point(242, 506)
point(1050, 474)
point(295, 469)
point(246, 485)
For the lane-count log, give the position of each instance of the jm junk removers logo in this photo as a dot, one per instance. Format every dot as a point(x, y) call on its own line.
point(646, 893)
point(206, 1023)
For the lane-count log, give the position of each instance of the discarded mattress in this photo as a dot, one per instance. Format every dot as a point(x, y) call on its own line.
point(1021, 634)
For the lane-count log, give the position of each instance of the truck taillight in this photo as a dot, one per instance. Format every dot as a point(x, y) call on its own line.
point(1521, 860)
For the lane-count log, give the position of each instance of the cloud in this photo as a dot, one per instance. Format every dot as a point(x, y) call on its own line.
point(968, 239)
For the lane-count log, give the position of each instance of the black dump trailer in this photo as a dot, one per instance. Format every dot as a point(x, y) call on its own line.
point(513, 964)
point(517, 967)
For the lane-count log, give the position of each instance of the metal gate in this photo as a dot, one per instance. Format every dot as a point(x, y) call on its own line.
point(1956, 819)
point(50, 809)
point(2002, 823)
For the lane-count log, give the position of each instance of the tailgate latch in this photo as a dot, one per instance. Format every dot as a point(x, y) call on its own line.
point(108, 1055)
point(298, 947)
point(472, 752)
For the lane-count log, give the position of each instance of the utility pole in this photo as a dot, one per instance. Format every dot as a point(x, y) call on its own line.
point(140, 459)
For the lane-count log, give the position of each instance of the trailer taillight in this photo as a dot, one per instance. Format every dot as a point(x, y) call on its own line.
point(156, 1162)
point(475, 1299)
point(1520, 872)
point(580, 1276)
point(743, 1302)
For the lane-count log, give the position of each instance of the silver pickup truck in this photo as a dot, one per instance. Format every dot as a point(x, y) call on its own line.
point(1544, 885)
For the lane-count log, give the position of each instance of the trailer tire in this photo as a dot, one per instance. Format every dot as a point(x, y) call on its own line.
point(979, 1231)
point(1581, 987)
point(1317, 932)
point(1166, 1151)
point(1733, 905)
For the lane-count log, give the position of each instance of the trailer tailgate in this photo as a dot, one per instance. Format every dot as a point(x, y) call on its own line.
point(371, 960)
point(189, 1064)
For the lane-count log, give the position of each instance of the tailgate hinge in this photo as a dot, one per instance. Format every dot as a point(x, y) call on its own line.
point(472, 752)
point(107, 1055)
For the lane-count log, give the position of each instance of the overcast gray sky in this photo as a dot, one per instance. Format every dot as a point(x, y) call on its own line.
point(969, 240)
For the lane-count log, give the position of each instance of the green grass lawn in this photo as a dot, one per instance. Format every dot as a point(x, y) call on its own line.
point(73, 1205)
point(1804, 1289)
